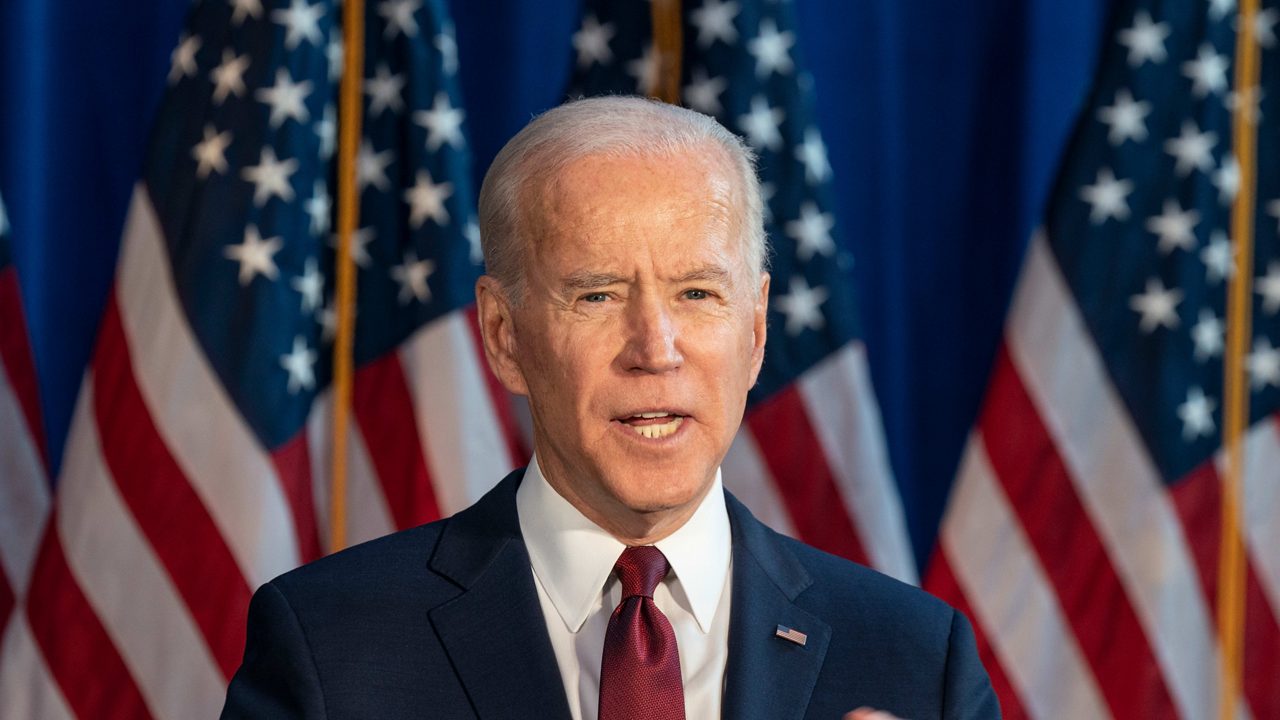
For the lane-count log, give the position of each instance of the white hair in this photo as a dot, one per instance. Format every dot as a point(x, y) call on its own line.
point(611, 126)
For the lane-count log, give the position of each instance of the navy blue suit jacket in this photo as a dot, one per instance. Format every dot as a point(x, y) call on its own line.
point(443, 621)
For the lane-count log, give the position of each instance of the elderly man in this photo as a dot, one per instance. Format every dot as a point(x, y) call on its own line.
point(613, 578)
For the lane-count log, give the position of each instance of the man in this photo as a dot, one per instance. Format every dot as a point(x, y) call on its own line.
point(626, 297)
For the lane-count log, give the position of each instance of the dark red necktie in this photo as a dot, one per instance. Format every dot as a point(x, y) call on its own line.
point(640, 672)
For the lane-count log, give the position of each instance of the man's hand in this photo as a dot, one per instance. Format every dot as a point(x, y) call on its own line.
point(866, 713)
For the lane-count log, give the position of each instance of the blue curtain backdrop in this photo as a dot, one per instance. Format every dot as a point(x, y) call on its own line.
point(944, 123)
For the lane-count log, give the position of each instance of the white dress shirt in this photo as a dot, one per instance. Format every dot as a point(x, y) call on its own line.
point(573, 561)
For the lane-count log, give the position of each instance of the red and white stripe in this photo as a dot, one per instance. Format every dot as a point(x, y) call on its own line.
point(24, 493)
point(169, 511)
point(1088, 578)
point(26, 686)
point(811, 462)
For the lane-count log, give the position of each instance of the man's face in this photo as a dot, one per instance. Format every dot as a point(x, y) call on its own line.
point(641, 330)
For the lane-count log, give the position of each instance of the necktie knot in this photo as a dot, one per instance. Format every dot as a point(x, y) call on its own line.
point(640, 569)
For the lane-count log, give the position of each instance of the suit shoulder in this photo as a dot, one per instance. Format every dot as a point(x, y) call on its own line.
point(396, 558)
point(847, 584)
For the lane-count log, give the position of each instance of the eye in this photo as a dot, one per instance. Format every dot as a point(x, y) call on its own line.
point(595, 297)
point(696, 294)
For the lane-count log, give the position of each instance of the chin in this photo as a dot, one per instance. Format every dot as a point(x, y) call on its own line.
point(658, 489)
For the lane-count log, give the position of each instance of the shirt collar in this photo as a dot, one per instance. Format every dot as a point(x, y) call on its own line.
point(572, 557)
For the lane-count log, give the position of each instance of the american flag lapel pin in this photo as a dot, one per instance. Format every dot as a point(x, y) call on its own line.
point(794, 636)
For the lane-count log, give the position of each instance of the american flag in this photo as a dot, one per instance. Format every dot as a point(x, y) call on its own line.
point(1082, 534)
point(24, 478)
point(197, 465)
point(811, 458)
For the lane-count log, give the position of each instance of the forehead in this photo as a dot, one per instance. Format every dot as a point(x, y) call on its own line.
point(598, 202)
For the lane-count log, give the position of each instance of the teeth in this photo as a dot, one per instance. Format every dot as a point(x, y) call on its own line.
point(651, 415)
point(653, 432)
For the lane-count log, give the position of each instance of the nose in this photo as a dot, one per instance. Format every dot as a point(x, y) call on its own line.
point(652, 338)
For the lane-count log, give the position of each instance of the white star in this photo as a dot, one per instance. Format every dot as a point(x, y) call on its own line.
point(245, 8)
point(328, 323)
point(327, 130)
point(255, 255)
point(299, 363)
point(399, 17)
point(715, 21)
point(286, 98)
point(359, 251)
point(1268, 286)
point(472, 233)
point(228, 78)
point(1208, 72)
point(270, 177)
point(1227, 179)
point(211, 153)
point(443, 123)
point(384, 91)
point(301, 22)
point(591, 42)
point(1126, 119)
point(1208, 334)
point(447, 45)
point(1145, 39)
point(761, 124)
point(1219, 9)
point(426, 200)
point(772, 49)
point(412, 275)
point(1264, 24)
point(1158, 306)
point(812, 232)
point(703, 93)
point(645, 68)
point(1107, 197)
point(1264, 364)
point(318, 208)
point(1273, 209)
point(1175, 226)
point(371, 167)
point(1218, 258)
point(801, 306)
point(334, 56)
point(310, 284)
point(1193, 149)
point(1196, 414)
point(812, 153)
point(182, 62)
point(1248, 102)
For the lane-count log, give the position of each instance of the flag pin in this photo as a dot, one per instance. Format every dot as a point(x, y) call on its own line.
point(794, 636)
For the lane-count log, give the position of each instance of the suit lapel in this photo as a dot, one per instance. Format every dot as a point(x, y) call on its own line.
point(768, 676)
point(494, 631)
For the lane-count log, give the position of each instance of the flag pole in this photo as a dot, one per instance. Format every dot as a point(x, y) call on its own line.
point(348, 216)
point(668, 45)
point(1231, 548)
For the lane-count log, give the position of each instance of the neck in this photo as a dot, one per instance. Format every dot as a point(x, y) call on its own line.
point(629, 526)
point(640, 528)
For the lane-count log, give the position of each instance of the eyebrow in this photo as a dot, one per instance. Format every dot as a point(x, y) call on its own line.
point(587, 280)
point(711, 273)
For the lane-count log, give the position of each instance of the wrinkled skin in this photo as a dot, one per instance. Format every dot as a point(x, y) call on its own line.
point(639, 297)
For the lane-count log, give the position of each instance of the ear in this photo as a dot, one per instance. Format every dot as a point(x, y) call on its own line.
point(760, 327)
point(499, 335)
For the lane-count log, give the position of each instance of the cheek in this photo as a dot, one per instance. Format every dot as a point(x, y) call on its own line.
point(567, 366)
point(725, 349)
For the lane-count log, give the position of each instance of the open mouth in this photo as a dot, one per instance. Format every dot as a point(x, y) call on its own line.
point(653, 425)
